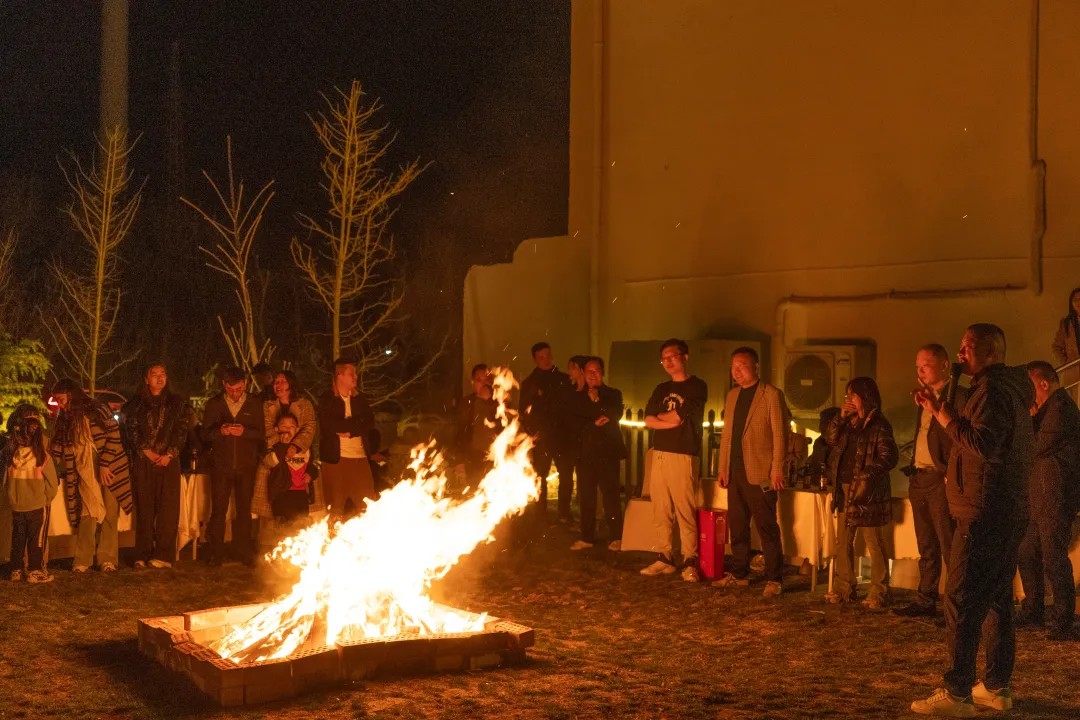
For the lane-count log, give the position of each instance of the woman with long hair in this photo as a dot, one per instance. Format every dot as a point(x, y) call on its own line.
point(288, 399)
point(93, 470)
point(156, 424)
point(1066, 344)
point(862, 452)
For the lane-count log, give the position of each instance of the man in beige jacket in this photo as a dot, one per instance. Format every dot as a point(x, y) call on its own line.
point(752, 451)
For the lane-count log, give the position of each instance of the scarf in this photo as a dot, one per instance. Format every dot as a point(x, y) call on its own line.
point(105, 436)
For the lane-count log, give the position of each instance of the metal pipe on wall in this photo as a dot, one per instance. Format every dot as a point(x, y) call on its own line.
point(598, 177)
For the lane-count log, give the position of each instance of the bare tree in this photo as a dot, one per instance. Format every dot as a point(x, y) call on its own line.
point(231, 257)
point(103, 208)
point(346, 260)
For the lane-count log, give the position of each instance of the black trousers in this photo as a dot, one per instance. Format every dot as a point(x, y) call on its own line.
point(157, 509)
point(600, 473)
point(239, 483)
point(746, 501)
point(290, 504)
point(933, 530)
point(29, 537)
point(978, 600)
point(542, 460)
point(1045, 549)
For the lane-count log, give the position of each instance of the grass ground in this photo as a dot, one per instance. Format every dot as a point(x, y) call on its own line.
point(610, 644)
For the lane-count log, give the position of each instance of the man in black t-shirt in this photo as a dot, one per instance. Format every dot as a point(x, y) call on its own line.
point(675, 412)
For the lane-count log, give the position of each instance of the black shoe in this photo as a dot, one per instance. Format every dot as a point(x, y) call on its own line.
point(248, 562)
point(213, 561)
point(1026, 619)
point(915, 609)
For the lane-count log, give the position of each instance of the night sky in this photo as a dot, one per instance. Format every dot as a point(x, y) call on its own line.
point(477, 88)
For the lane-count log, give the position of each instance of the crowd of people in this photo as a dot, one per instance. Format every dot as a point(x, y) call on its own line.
point(256, 446)
point(994, 476)
point(994, 484)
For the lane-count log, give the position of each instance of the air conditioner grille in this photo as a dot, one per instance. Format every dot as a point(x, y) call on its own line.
point(808, 382)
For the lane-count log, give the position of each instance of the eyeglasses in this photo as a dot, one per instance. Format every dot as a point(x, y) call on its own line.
point(669, 358)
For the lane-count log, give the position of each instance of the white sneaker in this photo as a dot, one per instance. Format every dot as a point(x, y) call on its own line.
point(80, 569)
point(615, 546)
point(39, 576)
point(944, 704)
point(581, 545)
point(160, 564)
point(1000, 699)
point(660, 567)
point(690, 573)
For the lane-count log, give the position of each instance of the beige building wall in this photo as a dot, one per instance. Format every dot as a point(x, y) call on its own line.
point(748, 170)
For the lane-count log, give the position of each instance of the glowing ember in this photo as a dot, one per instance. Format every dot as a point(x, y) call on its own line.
point(368, 577)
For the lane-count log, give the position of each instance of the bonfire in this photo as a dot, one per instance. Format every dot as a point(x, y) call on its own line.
point(369, 577)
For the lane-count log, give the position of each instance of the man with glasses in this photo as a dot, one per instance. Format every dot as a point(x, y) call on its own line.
point(675, 412)
point(752, 450)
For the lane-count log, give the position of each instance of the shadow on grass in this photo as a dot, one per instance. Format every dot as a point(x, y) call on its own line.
point(169, 693)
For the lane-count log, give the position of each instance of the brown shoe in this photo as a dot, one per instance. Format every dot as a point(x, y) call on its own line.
point(728, 580)
point(772, 589)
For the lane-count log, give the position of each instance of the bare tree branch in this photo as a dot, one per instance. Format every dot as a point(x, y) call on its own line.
point(231, 256)
point(102, 211)
point(347, 258)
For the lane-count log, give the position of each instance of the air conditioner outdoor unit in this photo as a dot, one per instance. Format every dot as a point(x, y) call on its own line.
point(816, 376)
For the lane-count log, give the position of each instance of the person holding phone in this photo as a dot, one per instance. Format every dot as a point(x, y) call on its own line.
point(233, 420)
point(863, 453)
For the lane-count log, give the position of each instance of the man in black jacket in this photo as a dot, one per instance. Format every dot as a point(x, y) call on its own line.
point(345, 419)
point(600, 407)
point(990, 461)
point(539, 398)
point(1054, 492)
point(233, 422)
point(926, 480)
point(476, 426)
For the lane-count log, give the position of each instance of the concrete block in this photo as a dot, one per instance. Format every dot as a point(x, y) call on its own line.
point(450, 663)
point(267, 692)
point(202, 619)
point(231, 696)
point(316, 668)
point(520, 635)
point(487, 660)
point(239, 614)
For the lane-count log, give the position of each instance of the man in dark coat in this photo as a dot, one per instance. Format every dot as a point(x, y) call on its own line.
point(156, 425)
point(476, 425)
point(1054, 495)
point(926, 479)
point(233, 422)
point(345, 420)
point(990, 461)
point(600, 408)
point(539, 397)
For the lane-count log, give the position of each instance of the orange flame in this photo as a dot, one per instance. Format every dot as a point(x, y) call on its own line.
point(368, 577)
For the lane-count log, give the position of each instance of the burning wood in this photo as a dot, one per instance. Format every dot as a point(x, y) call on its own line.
point(369, 576)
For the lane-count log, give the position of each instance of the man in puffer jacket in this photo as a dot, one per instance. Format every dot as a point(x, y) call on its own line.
point(990, 461)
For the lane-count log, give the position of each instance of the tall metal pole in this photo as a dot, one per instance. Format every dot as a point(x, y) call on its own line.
point(114, 65)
